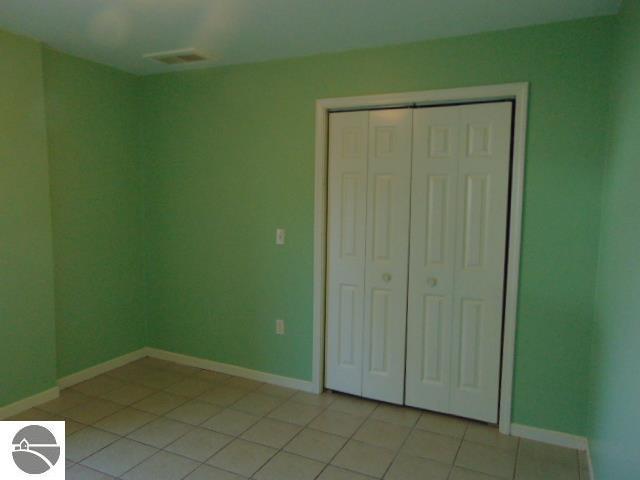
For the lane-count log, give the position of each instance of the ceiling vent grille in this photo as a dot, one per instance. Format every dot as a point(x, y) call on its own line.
point(177, 57)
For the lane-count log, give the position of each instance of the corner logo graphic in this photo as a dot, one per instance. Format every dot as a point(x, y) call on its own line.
point(35, 450)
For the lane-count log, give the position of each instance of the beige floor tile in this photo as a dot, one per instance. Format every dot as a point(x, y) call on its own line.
point(243, 383)
point(90, 412)
point(272, 433)
point(162, 466)
point(315, 444)
point(80, 472)
point(485, 459)
point(382, 434)
point(276, 391)
point(377, 430)
point(71, 427)
point(335, 473)
point(153, 362)
point(185, 370)
point(332, 472)
point(285, 466)
point(544, 452)
point(433, 446)
point(119, 457)
point(68, 398)
point(194, 412)
point(206, 472)
point(130, 373)
point(338, 423)
point(86, 442)
point(200, 444)
point(257, 404)
point(125, 421)
point(405, 416)
point(406, 467)
point(127, 394)
point(213, 377)
point(160, 379)
point(463, 474)
point(322, 400)
point(98, 385)
point(223, 396)
point(160, 432)
point(160, 403)
point(541, 461)
point(442, 424)
point(295, 412)
point(364, 458)
point(231, 422)
point(489, 435)
point(242, 457)
point(35, 414)
point(353, 405)
point(189, 387)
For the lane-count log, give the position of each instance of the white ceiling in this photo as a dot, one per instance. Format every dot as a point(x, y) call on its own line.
point(119, 32)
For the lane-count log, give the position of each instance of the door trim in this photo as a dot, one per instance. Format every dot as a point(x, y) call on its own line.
point(519, 92)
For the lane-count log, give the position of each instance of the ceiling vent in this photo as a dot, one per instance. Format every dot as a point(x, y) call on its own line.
point(177, 57)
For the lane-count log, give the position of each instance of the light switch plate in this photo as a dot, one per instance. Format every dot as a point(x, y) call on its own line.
point(280, 236)
point(280, 326)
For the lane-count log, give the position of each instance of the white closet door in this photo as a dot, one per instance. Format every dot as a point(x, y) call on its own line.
point(387, 243)
point(458, 240)
point(433, 219)
point(483, 189)
point(347, 196)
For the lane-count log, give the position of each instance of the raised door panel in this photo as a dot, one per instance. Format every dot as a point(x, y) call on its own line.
point(347, 190)
point(431, 265)
point(389, 170)
point(483, 187)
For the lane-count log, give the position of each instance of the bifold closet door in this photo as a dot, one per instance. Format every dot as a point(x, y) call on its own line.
point(459, 205)
point(346, 230)
point(387, 253)
point(367, 252)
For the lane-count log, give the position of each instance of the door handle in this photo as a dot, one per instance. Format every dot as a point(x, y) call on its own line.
point(432, 281)
point(386, 277)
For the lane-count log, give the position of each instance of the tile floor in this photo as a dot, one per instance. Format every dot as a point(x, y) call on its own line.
point(155, 420)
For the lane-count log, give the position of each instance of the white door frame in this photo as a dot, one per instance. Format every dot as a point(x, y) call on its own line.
point(511, 91)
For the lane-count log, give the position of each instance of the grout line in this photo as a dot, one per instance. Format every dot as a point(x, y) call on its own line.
point(348, 439)
point(397, 453)
point(515, 464)
point(455, 457)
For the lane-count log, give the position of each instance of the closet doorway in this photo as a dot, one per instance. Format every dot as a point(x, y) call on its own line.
point(418, 213)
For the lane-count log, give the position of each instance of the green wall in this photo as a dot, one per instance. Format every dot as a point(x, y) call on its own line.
point(96, 210)
point(614, 418)
point(221, 157)
point(27, 343)
point(229, 156)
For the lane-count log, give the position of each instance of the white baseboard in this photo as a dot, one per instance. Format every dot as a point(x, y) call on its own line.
point(229, 369)
point(101, 368)
point(29, 402)
point(552, 437)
